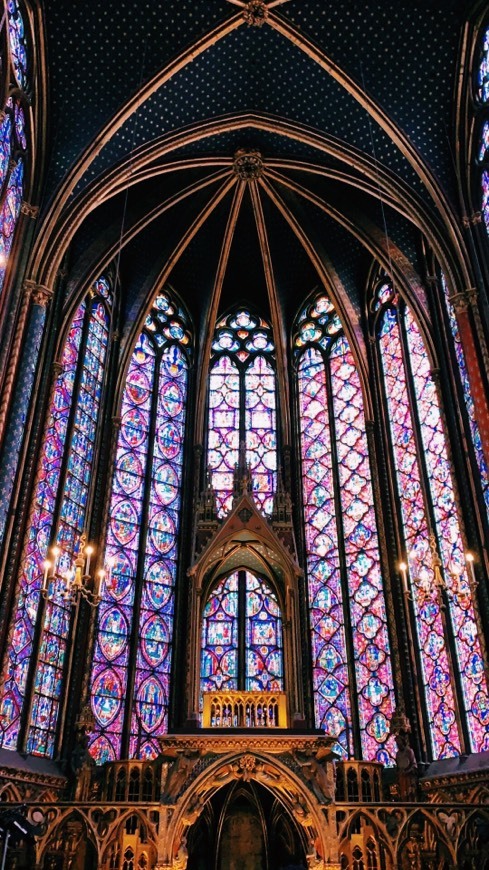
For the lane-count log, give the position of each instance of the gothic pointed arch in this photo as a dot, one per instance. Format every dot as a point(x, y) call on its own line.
point(441, 589)
point(349, 633)
point(131, 668)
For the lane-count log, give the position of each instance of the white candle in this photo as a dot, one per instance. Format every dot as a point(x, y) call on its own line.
point(403, 570)
point(88, 553)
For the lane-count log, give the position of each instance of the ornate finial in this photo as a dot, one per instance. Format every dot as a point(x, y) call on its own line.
point(85, 721)
point(400, 723)
point(256, 13)
point(207, 506)
point(248, 164)
point(243, 483)
point(282, 506)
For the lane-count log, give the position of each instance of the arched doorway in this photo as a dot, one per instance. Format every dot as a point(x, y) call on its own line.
point(245, 827)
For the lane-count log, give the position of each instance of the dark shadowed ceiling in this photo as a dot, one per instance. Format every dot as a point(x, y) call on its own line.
point(343, 110)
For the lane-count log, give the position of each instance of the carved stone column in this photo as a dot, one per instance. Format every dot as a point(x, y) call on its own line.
point(40, 295)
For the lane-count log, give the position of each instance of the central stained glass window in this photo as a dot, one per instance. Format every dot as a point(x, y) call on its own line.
point(352, 675)
point(242, 637)
point(133, 648)
point(242, 408)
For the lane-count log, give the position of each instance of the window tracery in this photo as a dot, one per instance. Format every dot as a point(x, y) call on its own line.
point(440, 586)
point(58, 516)
point(242, 408)
point(13, 144)
point(17, 42)
point(242, 636)
point(467, 393)
point(142, 543)
point(350, 643)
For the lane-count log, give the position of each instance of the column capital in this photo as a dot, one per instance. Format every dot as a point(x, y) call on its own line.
point(462, 300)
point(39, 293)
point(470, 220)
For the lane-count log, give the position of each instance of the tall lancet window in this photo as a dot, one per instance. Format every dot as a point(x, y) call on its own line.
point(242, 408)
point(467, 394)
point(449, 651)
point(482, 140)
point(36, 662)
point(13, 138)
point(352, 675)
point(130, 680)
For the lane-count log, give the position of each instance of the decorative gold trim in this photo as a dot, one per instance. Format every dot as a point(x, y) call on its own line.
point(29, 210)
point(256, 13)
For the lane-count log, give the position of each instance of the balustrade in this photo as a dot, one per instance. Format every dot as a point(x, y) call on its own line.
point(244, 710)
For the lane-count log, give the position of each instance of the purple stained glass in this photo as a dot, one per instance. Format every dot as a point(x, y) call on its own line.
point(111, 659)
point(462, 615)
point(263, 638)
point(467, 392)
point(484, 142)
point(71, 523)
point(330, 665)
point(223, 443)
point(9, 214)
point(261, 427)
point(434, 657)
point(38, 540)
point(483, 72)
point(242, 601)
point(338, 507)
point(219, 657)
point(485, 197)
point(17, 42)
point(242, 408)
point(152, 681)
point(142, 543)
point(5, 145)
point(374, 681)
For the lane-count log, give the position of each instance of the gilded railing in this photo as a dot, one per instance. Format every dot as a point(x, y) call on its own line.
point(244, 710)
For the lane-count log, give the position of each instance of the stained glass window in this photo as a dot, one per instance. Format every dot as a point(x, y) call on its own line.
point(242, 408)
point(17, 42)
point(484, 142)
point(467, 393)
point(485, 197)
point(12, 140)
point(352, 673)
point(142, 544)
point(483, 72)
point(440, 589)
point(57, 517)
point(242, 637)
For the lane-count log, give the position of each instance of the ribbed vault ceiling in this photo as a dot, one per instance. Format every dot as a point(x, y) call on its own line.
point(347, 105)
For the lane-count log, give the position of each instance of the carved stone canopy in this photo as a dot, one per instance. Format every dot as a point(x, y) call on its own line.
point(245, 539)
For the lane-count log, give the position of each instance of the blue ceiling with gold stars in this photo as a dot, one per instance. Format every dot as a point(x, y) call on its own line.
point(347, 100)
